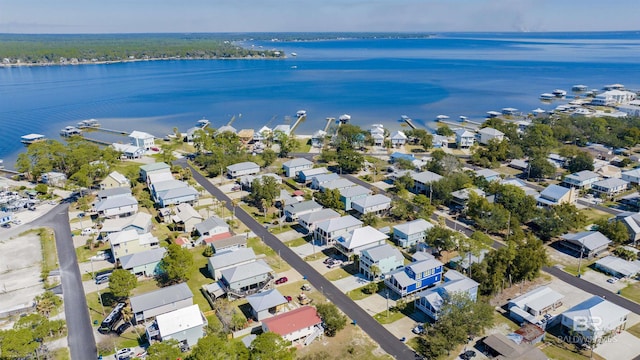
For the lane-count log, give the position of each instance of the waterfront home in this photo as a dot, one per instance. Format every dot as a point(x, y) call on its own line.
point(243, 168)
point(142, 139)
point(116, 206)
point(229, 243)
point(153, 168)
point(461, 197)
point(440, 141)
point(410, 233)
point(300, 326)
point(329, 230)
point(114, 180)
point(487, 174)
point(228, 259)
point(263, 134)
point(283, 128)
point(317, 139)
point(139, 222)
point(212, 226)
point(631, 109)
point(401, 156)
point(145, 263)
point(385, 257)
point(294, 211)
point(536, 302)
point(353, 242)
point(586, 244)
point(351, 194)
point(319, 180)
point(246, 279)
point(618, 267)
point(130, 242)
point(377, 204)
point(267, 304)
point(309, 220)
point(398, 139)
point(631, 221)
point(613, 97)
point(554, 195)
point(430, 301)
point(186, 218)
point(149, 305)
point(337, 184)
point(632, 176)
point(186, 326)
point(593, 319)
point(487, 134)
point(581, 180)
point(246, 135)
point(609, 187)
point(293, 167)
point(377, 134)
point(464, 138)
point(414, 277)
point(54, 178)
point(306, 175)
point(246, 181)
point(422, 181)
point(128, 151)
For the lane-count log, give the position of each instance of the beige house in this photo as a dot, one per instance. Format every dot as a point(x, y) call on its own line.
point(186, 217)
point(130, 242)
point(114, 180)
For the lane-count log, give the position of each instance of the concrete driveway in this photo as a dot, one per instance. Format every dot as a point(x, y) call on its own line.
point(375, 303)
point(308, 249)
point(624, 346)
point(350, 283)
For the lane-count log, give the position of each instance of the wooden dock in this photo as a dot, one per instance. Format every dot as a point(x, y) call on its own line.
point(465, 125)
point(406, 119)
point(100, 142)
point(300, 119)
point(113, 131)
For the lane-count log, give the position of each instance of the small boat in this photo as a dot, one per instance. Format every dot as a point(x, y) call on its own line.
point(203, 123)
point(441, 117)
point(294, 54)
point(559, 92)
point(301, 113)
point(579, 88)
point(344, 118)
point(88, 123)
point(31, 138)
point(463, 118)
point(294, 67)
point(493, 114)
point(547, 96)
point(614, 87)
point(509, 111)
point(538, 111)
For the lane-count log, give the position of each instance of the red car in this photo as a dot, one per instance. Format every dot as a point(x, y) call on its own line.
point(289, 298)
point(282, 280)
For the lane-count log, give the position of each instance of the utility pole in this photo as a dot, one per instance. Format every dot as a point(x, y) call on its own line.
point(508, 226)
point(580, 260)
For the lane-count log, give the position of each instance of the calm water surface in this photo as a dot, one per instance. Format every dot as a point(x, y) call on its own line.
point(373, 80)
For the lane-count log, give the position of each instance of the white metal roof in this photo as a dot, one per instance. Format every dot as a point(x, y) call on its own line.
point(179, 320)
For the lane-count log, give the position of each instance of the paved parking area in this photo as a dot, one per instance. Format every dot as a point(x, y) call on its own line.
point(309, 249)
point(614, 348)
point(600, 279)
point(288, 235)
point(375, 303)
point(350, 283)
point(572, 295)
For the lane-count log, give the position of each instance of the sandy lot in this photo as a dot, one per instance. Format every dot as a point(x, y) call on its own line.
point(20, 259)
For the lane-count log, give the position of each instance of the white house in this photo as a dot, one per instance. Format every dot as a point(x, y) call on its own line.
point(140, 222)
point(410, 233)
point(328, 231)
point(377, 204)
point(128, 151)
point(119, 206)
point(300, 326)
point(151, 304)
point(632, 176)
point(618, 267)
point(586, 243)
point(212, 226)
point(430, 301)
point(385, 257)
point(398, 139)
point(243, 168)
point(310, 220)
point(632, 221)
point(320, 179)
point(294, 211)
point(307, 175)
point(130, 242)
point(613, 97)
point(186, 217)
point(293, 167)
point(464, 138)
point(142, 139)
point(54, 178)
point(267, 304)
point(487, 134)
point(581, 180)
point(610, 187)
point(554, 195)
point(422, 181)
point(228, 259)
point(594, 319)
point(186, 326)
point(536, 302)
point(356, 240)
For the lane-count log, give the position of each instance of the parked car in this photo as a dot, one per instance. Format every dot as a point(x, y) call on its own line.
point(289, 298)
point(236, 188)
point(334, 263)
point(467, 355)
point(282, 280)
point(419, 329)
point(123, 327)
point(88, 231)
point(327, 261)
point(103, 278)
point(306, 287)
point(6, 225)
point(612, 280)
point(124, 353)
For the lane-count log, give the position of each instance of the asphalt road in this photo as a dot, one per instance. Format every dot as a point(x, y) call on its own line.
point(377, 332)
point(82, 344)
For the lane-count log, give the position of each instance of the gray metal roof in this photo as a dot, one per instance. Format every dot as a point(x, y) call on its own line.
point(154, 167)
point(610, 183)
point(229, 257)
point(210, 223)
point(354, 191)
point(315, 171)
point(424, 265)
point(490, 131)
point(302, 206)
point(116, 202)
point(344, 222)
point(554, 192)
point(426, 177)
point(324, 214)
point(589, 239)
point(383, 251)
point(322, 178)
point(247, 165)
point(142, 258)
point(179, 192)
point(583, 175)
point(377, 199)
point(297, 162)
point(237, 240)
point(246, 271)
point(160, 297)
point(339, 183)
point(412, 227)
point(118, 191)
point(266, 300)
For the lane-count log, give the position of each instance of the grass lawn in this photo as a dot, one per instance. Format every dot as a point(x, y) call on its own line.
point(84, 254)
point(296, 242)
point(271, 257)
point(393, 316)
point(199, 277)
point(634, 330)
point(280, 229)
point(49, 253)
point(304, 145)
point(558, 352)
point(632, 292)
point(337, 274)
point(359, 293)
point(594, 215)
point(255, 213)
point(61, 354)
point(500, 319)
point(145, 286)
point(317, 256)
point(573, 268)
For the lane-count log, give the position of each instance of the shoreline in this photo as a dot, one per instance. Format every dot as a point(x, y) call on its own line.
point(79, 63)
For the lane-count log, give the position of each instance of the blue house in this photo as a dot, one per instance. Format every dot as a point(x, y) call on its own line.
point(415, 277)
point(430, 301)
point(350, 194)
point(398, 155)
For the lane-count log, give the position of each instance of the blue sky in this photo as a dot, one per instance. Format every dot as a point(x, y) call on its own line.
point(120, 16)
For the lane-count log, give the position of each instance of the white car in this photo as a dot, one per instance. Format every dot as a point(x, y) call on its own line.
point(613, 280)
point(89, 231)
point(125, 353)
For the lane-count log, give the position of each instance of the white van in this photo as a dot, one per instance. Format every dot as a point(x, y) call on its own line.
point(89, 231)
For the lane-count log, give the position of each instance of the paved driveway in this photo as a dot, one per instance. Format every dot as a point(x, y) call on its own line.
point(624, 346)
point(350, 283)
point(308, 249)
point(375, 303)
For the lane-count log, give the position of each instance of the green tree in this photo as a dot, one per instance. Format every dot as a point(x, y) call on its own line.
point(442, 239)
point(444, 130)
point(349, 160)
point(626, 254)
point(529, 259)
point(41, 189)
point(17, 344)
point(582, 161)
point(287, 143)
point(330, 198)
point(212, 347)
point(558, 220)
point(47, 302)
point(370, 219)
point(402, 210)
point(333, 320)
point(269, 156)
point(404, 182)
point(271, 346)
point(265, 188)
point(177, 264)
point(615, 230)
point(540, 168)
point(165, 350)
point(121, 283)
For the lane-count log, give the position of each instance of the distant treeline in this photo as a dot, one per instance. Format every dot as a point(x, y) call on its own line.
point(35, 49)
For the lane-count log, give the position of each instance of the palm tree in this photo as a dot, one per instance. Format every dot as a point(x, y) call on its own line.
point(223, 203)
point(263, 202)
point(44, 305)
point(375, 271)
point(127, 316)
point(234, 203)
